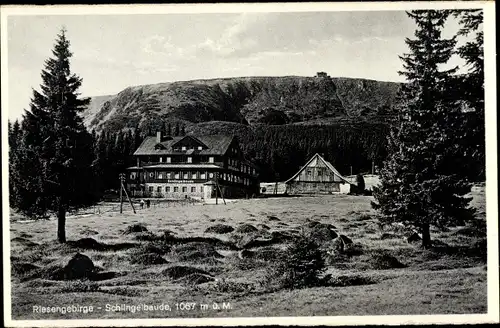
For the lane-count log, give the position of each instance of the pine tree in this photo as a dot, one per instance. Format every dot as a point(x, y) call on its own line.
point(54, 172)
point(419, 181)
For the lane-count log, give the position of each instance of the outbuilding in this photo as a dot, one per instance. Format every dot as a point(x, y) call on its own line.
point(317, 176)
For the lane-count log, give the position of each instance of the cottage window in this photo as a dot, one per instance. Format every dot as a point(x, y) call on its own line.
point(202, 176)
point(194, 175)
point(200, 148)
point(177, 175)
point(308, 172)
point(201, 189)
point(161, 159)
point(167, 189)
point(158, 189)
point(186, 176)
point(160, 175)
point(210, 175)
point(176, 189)
point(150, 188)
point(190, 160)
point(183, 148)
point(151, 174)
point(169, 175)
point(193, 189)
point(184, 189)
point(320, 173)
point(169, 160)
point(210, 159)
point(132, 175)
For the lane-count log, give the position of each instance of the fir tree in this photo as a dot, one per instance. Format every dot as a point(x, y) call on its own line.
point(419, 182)
point(54, 172)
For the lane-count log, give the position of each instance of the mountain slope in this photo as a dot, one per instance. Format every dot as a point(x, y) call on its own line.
point(245, 100)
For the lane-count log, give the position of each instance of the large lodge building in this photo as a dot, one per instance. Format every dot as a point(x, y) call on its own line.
point(191, 166)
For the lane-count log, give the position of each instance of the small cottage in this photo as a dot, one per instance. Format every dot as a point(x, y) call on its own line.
point(317, 176)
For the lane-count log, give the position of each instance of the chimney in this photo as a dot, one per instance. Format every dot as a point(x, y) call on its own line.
point(158, 136)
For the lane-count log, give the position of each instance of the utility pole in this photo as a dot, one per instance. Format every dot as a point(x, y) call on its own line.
point(122, 178)
point(122, 189)
point(373, 167)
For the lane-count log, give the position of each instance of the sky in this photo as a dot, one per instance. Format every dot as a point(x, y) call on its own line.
point(112, 52)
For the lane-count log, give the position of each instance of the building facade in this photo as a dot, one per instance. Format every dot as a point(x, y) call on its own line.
point(191, 167)
point(317, 176)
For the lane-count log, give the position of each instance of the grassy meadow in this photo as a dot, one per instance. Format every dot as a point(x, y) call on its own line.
point(176, 260)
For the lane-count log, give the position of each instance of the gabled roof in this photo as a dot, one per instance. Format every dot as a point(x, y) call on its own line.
point(327, 164)
point(217, 145)
point(198, 141)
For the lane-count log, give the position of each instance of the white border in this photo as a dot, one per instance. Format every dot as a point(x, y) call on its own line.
point(491, 160)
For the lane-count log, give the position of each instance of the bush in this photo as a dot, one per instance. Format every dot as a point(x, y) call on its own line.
point(301, 266)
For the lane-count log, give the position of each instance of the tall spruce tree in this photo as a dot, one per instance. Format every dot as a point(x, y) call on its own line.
point(420, 185)
point(54, 173)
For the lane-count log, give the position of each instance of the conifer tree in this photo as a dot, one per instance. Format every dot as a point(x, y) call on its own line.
point(54, 173)
point(419, 182)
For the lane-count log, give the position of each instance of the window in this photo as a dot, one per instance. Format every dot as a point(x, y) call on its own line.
point(150, 188)
point(183, 148)
point(184, 189)
point(211, 159)
point(176, 189)
point(186, 176)
point(167, 189)
point(169, 175)
point(308, 172)
point(151, 174)
point(193, 176)
point(190, 160)
point(160, 175)
point(169, 160)
point(132, 175)
point(200, 148)
point(201, 189)
point(193, 189)
point(210, 175)
point(177, 175)
point(158, 189)
point(320, 173)
point(161, 159)
point(202, 176)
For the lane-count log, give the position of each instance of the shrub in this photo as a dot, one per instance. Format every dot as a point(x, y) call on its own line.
point(301, 266)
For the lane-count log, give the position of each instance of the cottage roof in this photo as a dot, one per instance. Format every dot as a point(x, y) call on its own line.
point(217, 145)
point(328, 165)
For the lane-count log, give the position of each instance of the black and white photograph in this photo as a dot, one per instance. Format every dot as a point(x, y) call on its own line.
point(243, 164)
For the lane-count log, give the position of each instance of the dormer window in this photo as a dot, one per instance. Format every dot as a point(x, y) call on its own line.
point(190, 160)
point(169, 160)
point(211, 159)
point(183, 148)
point(161, 159)
point(200, 148)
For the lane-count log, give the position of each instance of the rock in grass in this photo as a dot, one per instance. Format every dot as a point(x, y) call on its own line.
point(246, 228)
point(134, 228)
point(273, 218)
point(320, 232)
point(79, 267)
point(220, 229)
